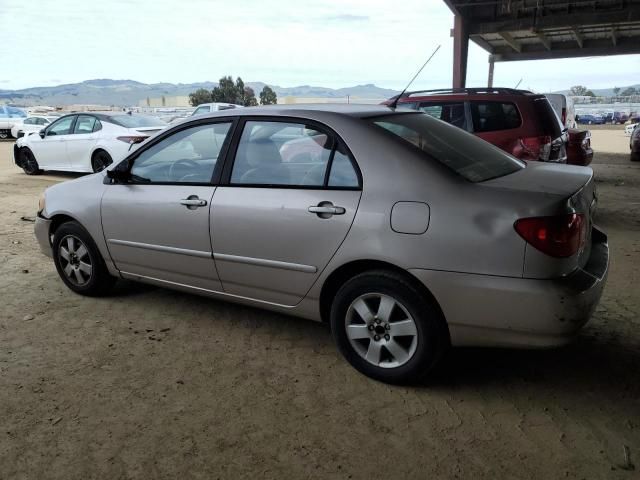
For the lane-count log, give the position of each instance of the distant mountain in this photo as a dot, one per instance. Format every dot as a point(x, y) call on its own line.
point(104, 91)
point(604, 92)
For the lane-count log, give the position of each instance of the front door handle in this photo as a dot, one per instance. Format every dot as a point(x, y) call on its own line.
point(192, 202)
point(326, 209)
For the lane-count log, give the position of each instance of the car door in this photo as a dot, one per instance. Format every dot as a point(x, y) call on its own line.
point(80, 143)
point(51, 150)
point(286, 204)
point(157, 225)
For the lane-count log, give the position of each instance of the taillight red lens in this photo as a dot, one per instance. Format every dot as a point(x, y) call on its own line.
point(560, 236)
point(132, 139)
point(535, 148)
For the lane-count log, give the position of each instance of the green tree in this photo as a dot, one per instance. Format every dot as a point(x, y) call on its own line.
point(226, 91)
point(202, 95)
point(616, 90)
point(268, 96)
point(249, 97)
point(629, 91)
point(581, 91)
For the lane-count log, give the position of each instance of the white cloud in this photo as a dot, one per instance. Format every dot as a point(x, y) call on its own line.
point(285, 42)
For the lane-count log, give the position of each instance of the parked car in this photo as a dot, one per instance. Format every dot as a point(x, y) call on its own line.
point(517, 121)
point(579, 151)
point(628, 129)
point(634, 144)
point(30, 125)
point(9, 116)
point(589, 119)
point(83, 142)
point(407, 235)
point(616, 118)
point(214, 107)
point(564, 108)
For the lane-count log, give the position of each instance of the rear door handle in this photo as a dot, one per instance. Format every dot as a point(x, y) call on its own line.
point(326, 210)
point(192, 202)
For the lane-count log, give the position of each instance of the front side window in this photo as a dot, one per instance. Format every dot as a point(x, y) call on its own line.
point(187, 156)
point(493, 116)
point(84, 124)
point(452, 113)
point(281, 153)
point(465, 154)
point(61, 127)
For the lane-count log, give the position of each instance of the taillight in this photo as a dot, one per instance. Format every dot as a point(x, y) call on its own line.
point(133, 139)
point(564, 116)
point(535, 148)
point(559, 236)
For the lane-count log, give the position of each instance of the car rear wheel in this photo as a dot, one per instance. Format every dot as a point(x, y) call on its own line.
point(78, 261)
point(386, 328)
point(28, 162)
point(100, 160)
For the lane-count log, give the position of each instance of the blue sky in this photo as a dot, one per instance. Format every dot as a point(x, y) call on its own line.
point(281, 42)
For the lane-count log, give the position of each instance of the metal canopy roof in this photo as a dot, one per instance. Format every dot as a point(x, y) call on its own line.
point(543, 29)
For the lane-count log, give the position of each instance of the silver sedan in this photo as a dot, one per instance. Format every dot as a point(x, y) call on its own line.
point(405, 234)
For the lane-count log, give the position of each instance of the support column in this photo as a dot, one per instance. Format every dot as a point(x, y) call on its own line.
point(460, 51)
point(490, 79)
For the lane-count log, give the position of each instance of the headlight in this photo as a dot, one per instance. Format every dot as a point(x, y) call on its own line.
point(41, 203)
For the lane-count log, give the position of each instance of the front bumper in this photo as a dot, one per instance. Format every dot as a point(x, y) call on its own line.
point(42, 229)
point(483, 310)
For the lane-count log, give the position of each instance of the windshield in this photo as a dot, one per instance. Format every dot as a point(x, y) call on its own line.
point(467, 155)
point(137, 121)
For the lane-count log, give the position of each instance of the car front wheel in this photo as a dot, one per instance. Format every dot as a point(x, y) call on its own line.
point(100, 160)
point(29, 162)
point(78, 261)
point(387, 328)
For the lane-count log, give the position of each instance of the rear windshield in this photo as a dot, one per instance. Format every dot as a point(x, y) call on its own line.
point(467, 155)
point(549, 121)
point(493, 116)
point(137, 121)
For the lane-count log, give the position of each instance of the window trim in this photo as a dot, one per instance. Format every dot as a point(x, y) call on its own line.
point(127, 163)
point(336, 143)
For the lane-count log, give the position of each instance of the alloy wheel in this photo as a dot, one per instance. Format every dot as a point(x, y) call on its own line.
point(381, 330)
point(75, 260)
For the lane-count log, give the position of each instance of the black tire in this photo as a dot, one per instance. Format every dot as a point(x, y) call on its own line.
point(29, 162)
point(100, 160)
point(431, 333)
point(98, 281)
point(635, 156)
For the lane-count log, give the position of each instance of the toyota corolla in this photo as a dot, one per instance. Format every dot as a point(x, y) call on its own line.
point(407, 235)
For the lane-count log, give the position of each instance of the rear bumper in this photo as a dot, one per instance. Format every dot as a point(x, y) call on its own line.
point(484, 310)
point(41, 230)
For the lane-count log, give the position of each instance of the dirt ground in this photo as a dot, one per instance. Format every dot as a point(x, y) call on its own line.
point(150, 383)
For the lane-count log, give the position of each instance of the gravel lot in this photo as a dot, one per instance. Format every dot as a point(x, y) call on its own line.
point(151, 383)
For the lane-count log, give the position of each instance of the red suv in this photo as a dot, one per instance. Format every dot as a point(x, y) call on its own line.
point(519, 122)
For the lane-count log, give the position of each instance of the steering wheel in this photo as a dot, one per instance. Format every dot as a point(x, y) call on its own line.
point(174, 170)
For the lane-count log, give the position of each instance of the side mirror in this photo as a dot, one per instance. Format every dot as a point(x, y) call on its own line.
point(42, 133)
point(118, 175)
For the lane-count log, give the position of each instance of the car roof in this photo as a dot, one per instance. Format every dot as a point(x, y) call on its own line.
point(348, 109)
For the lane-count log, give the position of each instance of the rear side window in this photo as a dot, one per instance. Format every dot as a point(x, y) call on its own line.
point(137, 121)
point(84, 124)
point(465, 154)
point(493, 116)
point(452, 113)
point(547, 118)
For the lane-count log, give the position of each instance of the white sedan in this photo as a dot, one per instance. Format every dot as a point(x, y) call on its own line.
point(628, 130)
point(84, 142)
point(31, 125)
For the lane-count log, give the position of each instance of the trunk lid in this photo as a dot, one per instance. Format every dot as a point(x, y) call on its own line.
point(554, 190)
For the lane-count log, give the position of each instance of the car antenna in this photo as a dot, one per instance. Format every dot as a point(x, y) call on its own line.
point(394, 103)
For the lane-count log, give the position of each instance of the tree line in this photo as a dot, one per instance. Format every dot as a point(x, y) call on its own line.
point(236, 92)
point(582, 91)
